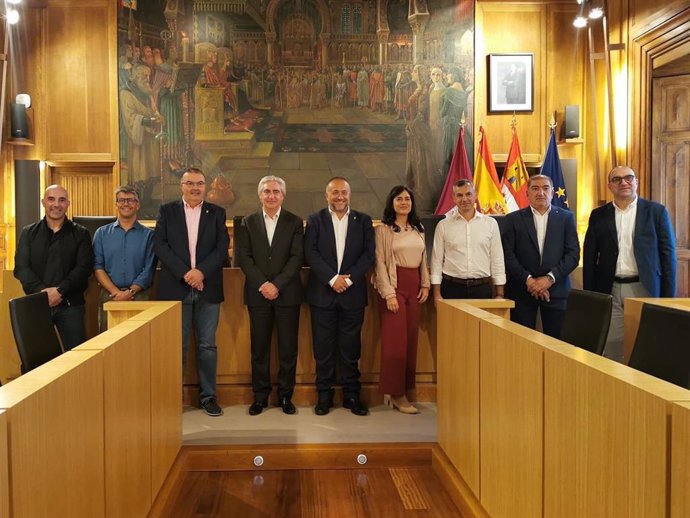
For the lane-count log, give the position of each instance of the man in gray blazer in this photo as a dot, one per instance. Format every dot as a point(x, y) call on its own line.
point(270, 252)
point(630, 251)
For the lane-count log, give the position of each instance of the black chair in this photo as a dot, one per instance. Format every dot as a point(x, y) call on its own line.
point(587, 320)
point(34, 332)
point(661, 347)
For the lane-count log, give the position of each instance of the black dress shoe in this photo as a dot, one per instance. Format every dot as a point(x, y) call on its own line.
point(257, 407)
point(355, 406)
point(325, 403)
point(287, 406)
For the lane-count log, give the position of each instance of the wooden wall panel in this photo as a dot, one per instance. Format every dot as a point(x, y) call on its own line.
point(57, 437)
point(79, 91)
point(511, 429)
point(680, 460)
point(90, 187)
point(4, 469)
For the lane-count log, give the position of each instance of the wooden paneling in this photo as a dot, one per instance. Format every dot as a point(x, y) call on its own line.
point(605, 438)
point(680, 460)
point(4, 469)
point(56, 430)
point(511, 417)
point(127, 411)
point(90, 186)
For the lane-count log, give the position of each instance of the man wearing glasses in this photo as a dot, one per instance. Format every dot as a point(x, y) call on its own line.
point(191, 241)
point(124, 255)
point(629, 251)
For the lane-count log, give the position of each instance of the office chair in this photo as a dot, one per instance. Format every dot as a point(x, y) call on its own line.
point(34, 332)
point(587, 320)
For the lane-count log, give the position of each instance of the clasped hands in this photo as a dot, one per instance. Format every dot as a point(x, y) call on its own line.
point(269, 290)
point(340, 285)
point(393, 305)
point(54, 297)
point(539, 287)
point(195, 278)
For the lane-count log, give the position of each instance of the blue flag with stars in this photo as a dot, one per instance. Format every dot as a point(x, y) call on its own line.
point(552, 168)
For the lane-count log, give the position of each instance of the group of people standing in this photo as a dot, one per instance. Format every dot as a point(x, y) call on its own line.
point(629, 251)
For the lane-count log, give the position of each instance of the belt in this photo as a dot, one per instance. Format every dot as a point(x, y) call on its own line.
point(467, 282)
point(627, 280)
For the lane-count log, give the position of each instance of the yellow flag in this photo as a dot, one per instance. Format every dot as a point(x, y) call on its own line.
point(491, 200)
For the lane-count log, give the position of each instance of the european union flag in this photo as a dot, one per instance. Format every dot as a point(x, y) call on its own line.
point(552, 168)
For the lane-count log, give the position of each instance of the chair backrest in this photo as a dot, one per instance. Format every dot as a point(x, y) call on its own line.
point(587, 320)
point(661, 347)
point(34, 332)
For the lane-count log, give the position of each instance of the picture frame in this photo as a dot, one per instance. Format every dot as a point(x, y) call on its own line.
point(511, 82)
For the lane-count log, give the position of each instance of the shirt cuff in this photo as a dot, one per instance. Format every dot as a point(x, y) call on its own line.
point(332, 281)
point(553, 277)
point(348, 281)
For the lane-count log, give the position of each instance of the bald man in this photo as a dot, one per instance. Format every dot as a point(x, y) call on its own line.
point(55, 255)
point(629, 251)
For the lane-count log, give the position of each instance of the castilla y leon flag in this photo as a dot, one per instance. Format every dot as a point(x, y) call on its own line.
point(515, 177)
point(489, 194)
point(459, 169)
point(552, 168)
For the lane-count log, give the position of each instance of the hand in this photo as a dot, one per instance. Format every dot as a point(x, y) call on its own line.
point(538, 285)
point(269, 291)
point(340, 286)
point(195, 278)
point(392, 304)
point(122, 296)
point(54, 297)
point(423, 295)
point(542, 295)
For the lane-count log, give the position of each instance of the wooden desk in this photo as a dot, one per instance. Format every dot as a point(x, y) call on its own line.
point(680, 460)
point(4, 469)
point(632, 312)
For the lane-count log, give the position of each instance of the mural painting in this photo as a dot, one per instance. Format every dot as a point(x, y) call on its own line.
point(372, 90)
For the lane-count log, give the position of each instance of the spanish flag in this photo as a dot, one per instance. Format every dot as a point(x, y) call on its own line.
point(515, 177)
point(486, 183)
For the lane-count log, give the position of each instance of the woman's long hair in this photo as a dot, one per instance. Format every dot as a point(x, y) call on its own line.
point(389, 211)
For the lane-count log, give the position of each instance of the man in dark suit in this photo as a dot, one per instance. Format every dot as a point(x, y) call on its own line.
point(191, 241)
point(339, 248)
point(541, 249)
point(270, 252)
point(629, 251)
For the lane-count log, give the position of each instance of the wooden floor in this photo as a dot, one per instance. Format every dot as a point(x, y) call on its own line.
point(315, 493)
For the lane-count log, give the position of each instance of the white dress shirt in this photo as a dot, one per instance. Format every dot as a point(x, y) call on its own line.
point(626, 265)
point(271, 223)
point(540, 223)
point(468, 249)
point(340, 229)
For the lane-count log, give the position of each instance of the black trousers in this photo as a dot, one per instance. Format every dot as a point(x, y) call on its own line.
point(337, 332)
point(552, 314)
point(261, 320)
point(454, 290)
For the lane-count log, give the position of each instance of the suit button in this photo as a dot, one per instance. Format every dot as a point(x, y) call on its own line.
point(269, 257)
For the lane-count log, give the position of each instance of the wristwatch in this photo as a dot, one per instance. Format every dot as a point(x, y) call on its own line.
point(132, 292)
point(60, 291)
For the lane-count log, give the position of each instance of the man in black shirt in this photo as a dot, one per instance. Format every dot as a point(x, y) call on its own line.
point(55, 255)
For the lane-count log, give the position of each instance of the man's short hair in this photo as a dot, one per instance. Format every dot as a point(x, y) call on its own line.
point(334, 178)
point(271, 178)
point(462, 182)
point(195, 170)
point(126, 189)
point(539, 177)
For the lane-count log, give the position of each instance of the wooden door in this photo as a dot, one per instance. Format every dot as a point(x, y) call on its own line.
point(670, 172)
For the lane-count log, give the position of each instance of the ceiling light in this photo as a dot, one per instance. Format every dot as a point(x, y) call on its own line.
point(580, 22)
point(12, 16)
point(15, 2)
point(596, 13)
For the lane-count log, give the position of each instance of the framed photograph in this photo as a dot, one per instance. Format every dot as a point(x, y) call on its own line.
point(511, 82)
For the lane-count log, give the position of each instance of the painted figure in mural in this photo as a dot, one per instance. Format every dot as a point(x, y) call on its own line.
point(453, 107)
point(405, 88)
point(142, 122)
point(340, 92)
point(352, 87)
point(389, 84)
point(435, 122)
point(377, 90)
point(362, 88)
point(170, 107)
point(124, 65)
point(421, 174)
point(294, 92)
point(213, 75)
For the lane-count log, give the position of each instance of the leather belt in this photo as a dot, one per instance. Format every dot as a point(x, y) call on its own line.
point(467, 282)
point(627, 280)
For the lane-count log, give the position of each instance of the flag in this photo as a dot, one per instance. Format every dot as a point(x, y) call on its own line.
point(459, 169)
point(552, 168)
point(489, 194)
point(515, 176)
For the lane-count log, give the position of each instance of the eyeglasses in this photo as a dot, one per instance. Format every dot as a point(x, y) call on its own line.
point(194, 184)
point(127, 201)
point(628, 178)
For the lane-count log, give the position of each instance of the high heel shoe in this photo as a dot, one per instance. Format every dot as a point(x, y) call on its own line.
point(401, 404)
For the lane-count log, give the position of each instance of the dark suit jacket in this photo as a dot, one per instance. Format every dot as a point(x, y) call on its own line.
point(280, 262)
point(521, 250)
point(654, 247)
point(320, 253)
point(172, 248)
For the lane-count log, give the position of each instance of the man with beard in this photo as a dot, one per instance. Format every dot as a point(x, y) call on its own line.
point(142, 122)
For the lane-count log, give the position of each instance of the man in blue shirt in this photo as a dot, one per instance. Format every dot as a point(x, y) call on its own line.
point(124, 255)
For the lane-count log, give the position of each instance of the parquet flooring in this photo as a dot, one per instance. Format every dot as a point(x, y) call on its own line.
point(344, 493)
